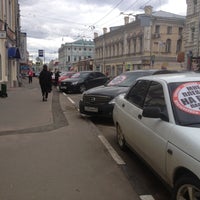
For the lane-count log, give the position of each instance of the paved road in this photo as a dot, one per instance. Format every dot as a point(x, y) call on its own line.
point(47, 151)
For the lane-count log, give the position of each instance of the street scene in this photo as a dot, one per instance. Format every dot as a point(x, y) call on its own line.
point(51, 152)
point(99, 100)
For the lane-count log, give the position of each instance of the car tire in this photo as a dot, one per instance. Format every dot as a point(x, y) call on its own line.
point(82, 88)
point(185, 186)
point(120, 138)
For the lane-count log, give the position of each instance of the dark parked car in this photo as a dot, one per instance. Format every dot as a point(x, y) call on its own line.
point(99, 101)
point(82, 81)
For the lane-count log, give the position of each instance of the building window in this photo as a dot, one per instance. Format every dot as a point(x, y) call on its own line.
point(134, 46)
point(169, 30)
point(157, 29)
point(168, 46)
point(195, 6)
point(192, 32)
point(85, 49)
point(141, 44)
point(179, 45)
point(79, 49)
point(68, 59)
point(180, 30)
point(69, 49)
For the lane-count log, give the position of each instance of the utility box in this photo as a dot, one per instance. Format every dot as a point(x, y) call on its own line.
point(3, 92)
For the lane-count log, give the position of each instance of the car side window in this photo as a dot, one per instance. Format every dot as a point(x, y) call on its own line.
point(138, 92)
point(91, 76)
point(97, 75)
point(155, 96)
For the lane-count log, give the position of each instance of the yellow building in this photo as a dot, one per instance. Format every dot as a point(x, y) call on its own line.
point(9, 41)
point(192, 34)
point(152, 40)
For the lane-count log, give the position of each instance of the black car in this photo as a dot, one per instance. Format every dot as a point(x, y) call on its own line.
point(82, 81)
point(99, 101)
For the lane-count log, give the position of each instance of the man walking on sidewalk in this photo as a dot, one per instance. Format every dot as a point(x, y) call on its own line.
point(45, 82)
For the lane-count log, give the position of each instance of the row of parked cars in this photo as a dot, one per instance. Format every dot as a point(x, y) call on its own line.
point(156, 114)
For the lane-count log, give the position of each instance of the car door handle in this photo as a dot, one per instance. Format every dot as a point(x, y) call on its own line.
point(139, 116)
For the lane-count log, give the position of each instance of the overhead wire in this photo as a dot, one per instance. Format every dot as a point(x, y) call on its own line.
point(109, 11)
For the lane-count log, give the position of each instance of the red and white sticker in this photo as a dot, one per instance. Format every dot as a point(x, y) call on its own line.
point(187, 97)
point(117, 80)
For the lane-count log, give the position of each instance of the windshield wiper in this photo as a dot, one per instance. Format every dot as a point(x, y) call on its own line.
point(189, 124)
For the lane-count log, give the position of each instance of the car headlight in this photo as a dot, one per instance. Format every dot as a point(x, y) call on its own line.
point(82, 95)
point(112, 101)
point(75, 83)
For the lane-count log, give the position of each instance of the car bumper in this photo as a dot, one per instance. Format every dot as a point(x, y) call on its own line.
point(104, 110)
point(69, 88)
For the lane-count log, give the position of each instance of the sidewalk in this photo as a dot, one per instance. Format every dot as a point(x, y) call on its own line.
point(48, 152)
point(23, 108)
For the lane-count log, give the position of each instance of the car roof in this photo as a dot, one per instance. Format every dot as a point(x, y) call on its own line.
point(175, 77)
point(152, 71)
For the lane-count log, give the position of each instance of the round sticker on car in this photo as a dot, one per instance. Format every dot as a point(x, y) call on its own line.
point(117, 80)
point(187, 97)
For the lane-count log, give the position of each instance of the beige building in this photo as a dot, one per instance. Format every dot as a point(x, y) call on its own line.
point(9, 42)
point(192, 32)
point(152, 40)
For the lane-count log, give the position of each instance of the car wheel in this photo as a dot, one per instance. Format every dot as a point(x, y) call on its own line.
point(120, 138)
point(82, 88)
point(186, 188)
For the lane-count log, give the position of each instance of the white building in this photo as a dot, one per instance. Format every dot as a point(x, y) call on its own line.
point(70, 53)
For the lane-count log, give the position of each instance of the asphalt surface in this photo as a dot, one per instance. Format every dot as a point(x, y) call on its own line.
point(48, 152)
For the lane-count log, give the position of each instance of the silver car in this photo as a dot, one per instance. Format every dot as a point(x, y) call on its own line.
point(159, 118)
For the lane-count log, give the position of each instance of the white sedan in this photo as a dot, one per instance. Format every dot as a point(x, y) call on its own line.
point(159, 118)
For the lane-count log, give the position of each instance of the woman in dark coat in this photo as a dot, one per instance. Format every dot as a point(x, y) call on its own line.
point(45, 82)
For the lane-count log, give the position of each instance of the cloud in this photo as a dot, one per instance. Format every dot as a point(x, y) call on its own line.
point(48, 24)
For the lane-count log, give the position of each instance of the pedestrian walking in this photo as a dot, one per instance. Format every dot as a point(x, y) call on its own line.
point(45, 82)
point(30, 76)
point(57, 75)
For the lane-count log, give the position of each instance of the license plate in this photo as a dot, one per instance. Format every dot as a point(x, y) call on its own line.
point(63, 87)
point(91, 109)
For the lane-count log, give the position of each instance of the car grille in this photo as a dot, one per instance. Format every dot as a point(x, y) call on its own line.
point(96, 100)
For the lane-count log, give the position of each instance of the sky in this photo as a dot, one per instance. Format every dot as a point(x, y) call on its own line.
point(49, 24)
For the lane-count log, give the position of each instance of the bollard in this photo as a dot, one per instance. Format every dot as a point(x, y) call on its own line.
point(3, 92)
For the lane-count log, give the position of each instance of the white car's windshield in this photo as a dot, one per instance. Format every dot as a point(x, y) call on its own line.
point(185, 98)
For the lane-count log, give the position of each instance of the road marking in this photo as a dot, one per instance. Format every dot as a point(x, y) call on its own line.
point(146, 197)
point(112, 152)
point(69, 99)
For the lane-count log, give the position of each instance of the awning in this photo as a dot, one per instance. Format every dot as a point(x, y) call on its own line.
point(13, 52)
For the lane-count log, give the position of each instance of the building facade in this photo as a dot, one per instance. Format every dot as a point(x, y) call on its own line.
point(9, 42)
point(152, 40)
point(71, 53)
point(192, 33)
